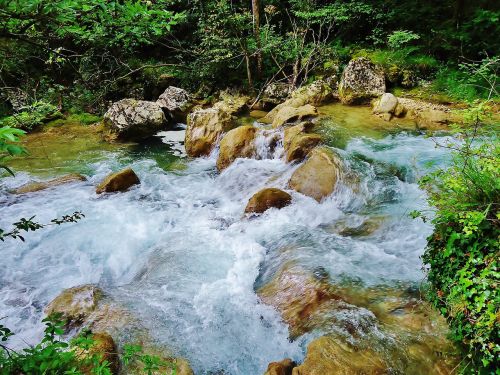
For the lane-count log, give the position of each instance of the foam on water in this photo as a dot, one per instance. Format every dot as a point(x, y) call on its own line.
point(178, 251)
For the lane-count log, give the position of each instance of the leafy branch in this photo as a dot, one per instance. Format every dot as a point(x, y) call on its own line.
point(27, 225)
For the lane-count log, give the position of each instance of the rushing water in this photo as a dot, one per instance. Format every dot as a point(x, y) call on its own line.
point(177, 250)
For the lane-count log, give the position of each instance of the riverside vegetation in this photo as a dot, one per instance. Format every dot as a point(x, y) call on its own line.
point(254, 82)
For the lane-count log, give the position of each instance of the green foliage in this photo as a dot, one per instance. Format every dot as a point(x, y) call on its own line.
point(399, 38)
point(51, 355)
point(32, 116)
point(149, 364)
point(470, 81)
point(29, 225)
point(8, 147)
point(463, 252)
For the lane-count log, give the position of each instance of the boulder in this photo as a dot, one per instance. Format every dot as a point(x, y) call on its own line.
point(266, 199)
point(104, 347)
point(387, 103)
point(301, 145)
point(283, 367)
point(232, 104)
point(75, 304)
point(318, 175)
point(175, 101)
point(119, 181)
point(134, 119)
point(315, 94)
point(297, 142)
point(276, 92)
point(42, 185)
point(427, 115)
point(291, 114)
point(237, 143)
point(361, 81)
point(204, 128)
point(327, 355)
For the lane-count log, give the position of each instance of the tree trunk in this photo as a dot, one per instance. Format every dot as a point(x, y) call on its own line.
point(256, 31)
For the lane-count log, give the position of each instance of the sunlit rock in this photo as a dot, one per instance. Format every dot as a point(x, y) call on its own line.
point(134, 119)
point(361, 81)
point(283, 367)
point(266, 199)
point(42, 185)
point(75, 304)
point(318, 175)
point(315, 94)
point(292, 114)
point(297, 142)
point(237, 143)
point(204, 128)
point(119, 181)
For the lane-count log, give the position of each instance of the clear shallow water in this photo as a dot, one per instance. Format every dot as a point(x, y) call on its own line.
point(178, 251)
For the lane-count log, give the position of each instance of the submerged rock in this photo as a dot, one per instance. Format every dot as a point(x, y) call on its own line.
point(307, 302)
point(283, 367)
point(291, 114)
point(204, 128)
point(134, 119)
point(119, 181)
point(42, 185)
point(266, 199)
point(318, 175)
point(361, 81)
point(75, 304)
point(237, 143)
point(176, 101)
point(326, 355)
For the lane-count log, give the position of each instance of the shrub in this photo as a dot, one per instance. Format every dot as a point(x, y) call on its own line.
point(463, 252)
point(32, 116)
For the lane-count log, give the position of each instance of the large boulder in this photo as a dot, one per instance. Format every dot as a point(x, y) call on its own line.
point(292, 114)
point(75, 304)
point(176, 102)
point(119, 181)
point(327, 355)
point(283, 367)
point(318, 175)
point(361, 81)
point(134, 119)
point(32, 187)
point(298, 142)
point(237, 143)
point(204, 128)
point(266, 199)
